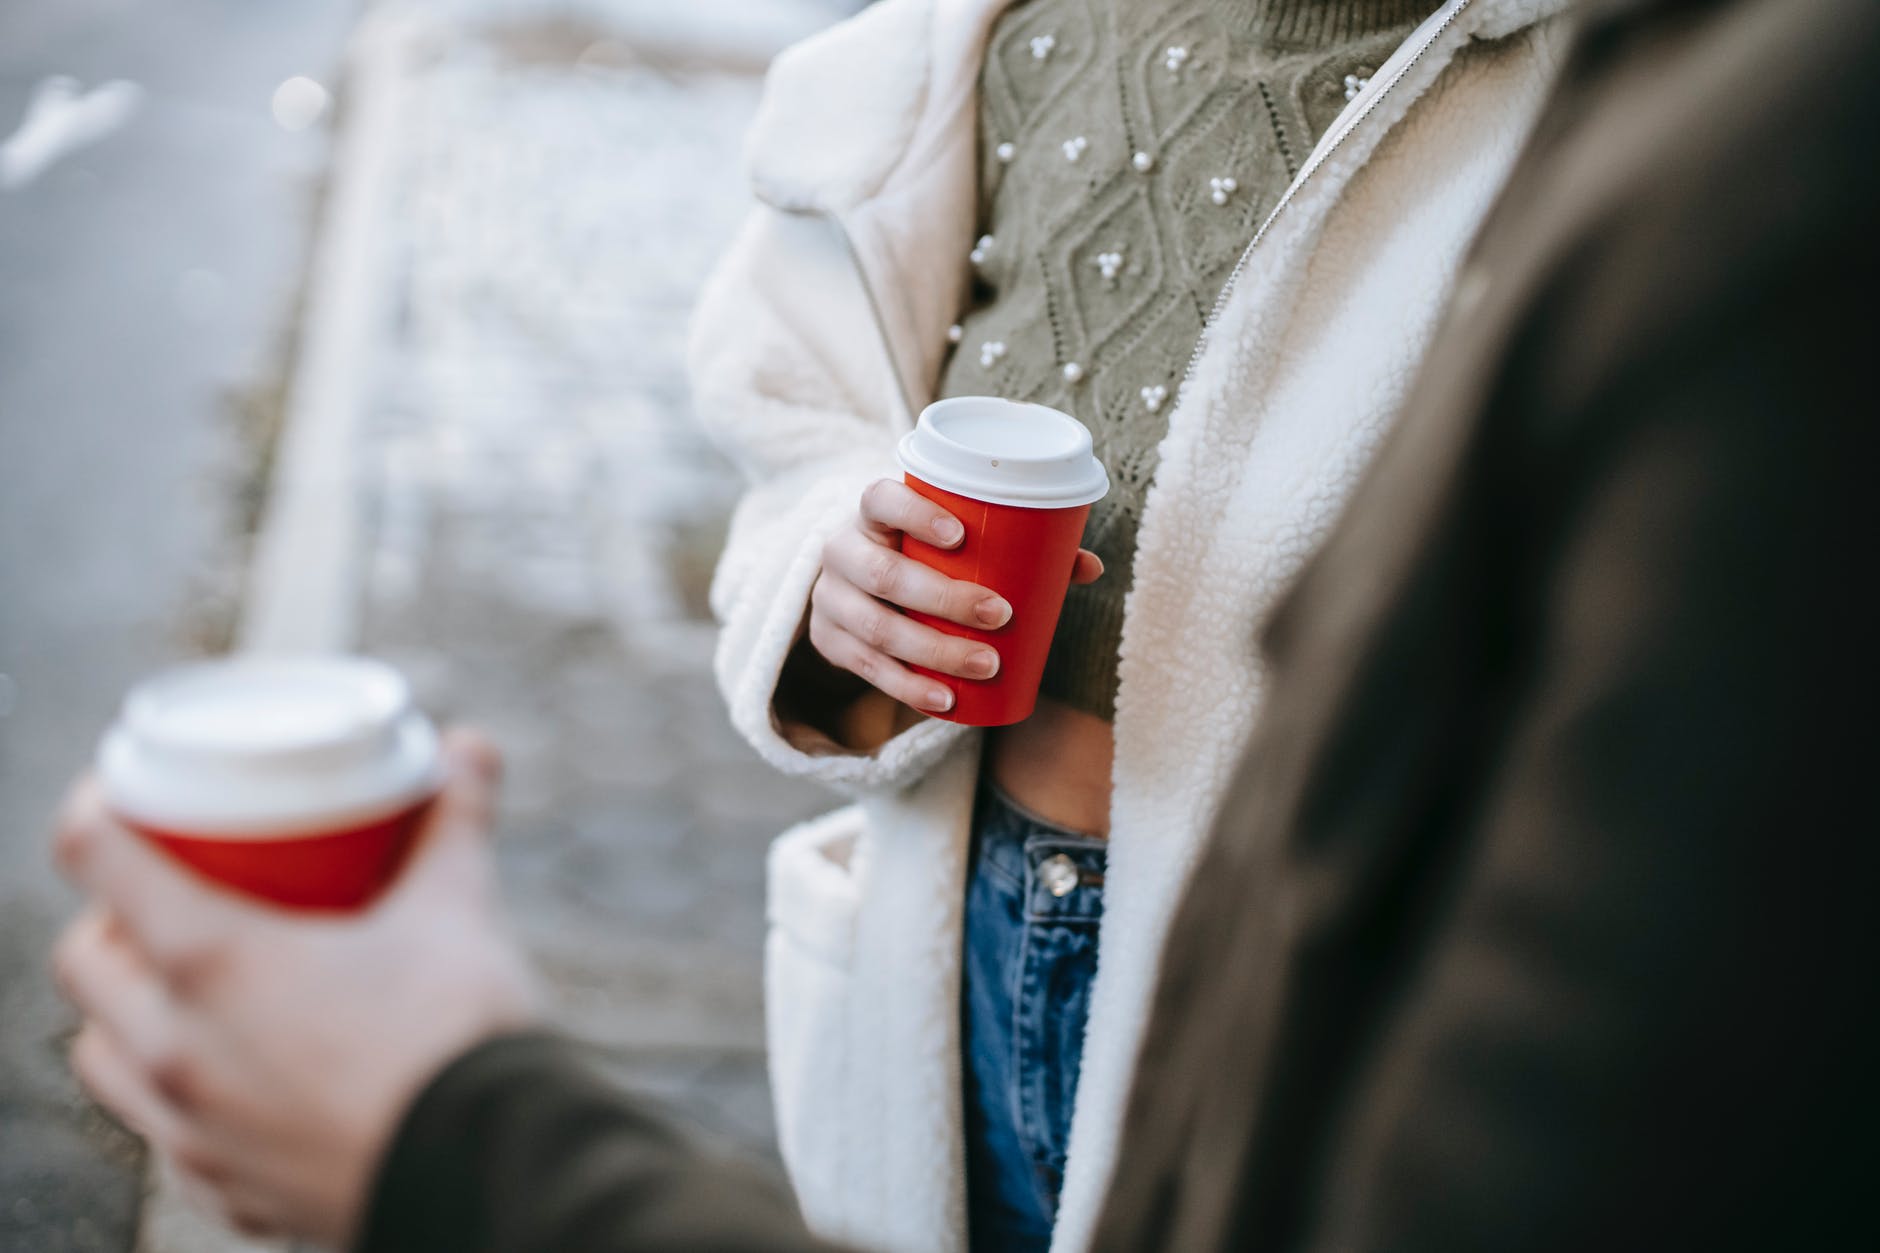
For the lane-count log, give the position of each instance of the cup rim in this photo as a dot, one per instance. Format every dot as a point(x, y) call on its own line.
point(338, 822)
point(180, 780)
point(1057, 480)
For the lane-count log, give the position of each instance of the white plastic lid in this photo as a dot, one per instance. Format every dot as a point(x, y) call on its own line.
point(1005, 453)
point(254, 747)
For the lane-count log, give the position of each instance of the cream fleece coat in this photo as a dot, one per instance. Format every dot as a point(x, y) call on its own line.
point(825, 328)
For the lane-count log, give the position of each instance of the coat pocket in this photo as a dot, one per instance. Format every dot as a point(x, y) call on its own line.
point(808, 971)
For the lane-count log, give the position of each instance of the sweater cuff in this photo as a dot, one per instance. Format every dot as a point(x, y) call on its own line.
point(765, 597)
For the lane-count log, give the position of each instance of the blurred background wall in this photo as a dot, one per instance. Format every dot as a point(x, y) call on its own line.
point(329, 324)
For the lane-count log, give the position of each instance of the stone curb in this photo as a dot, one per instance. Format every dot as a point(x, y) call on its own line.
point(303, 590)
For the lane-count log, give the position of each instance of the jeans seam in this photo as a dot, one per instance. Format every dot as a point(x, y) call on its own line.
point(1034, 819)
point(1020, 1051)
point(1046, 941)
point(1004, 876)
point(984, 834)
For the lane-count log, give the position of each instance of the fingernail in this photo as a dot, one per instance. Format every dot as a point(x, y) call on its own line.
point(949, 531)
point(993, 611)
point(983, 664)
point(939, 700)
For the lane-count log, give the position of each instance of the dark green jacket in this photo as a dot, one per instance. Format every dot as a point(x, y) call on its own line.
point(1543, 915)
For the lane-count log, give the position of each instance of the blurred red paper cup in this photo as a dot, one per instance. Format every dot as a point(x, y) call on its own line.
point(299, 781)
point(1021, 479)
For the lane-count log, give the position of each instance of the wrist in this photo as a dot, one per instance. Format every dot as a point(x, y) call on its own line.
point(504, 1005)
point(822, 709)
point(427, 1179)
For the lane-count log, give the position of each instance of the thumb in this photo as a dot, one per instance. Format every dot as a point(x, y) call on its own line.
point(450, 852)
point(473, 775)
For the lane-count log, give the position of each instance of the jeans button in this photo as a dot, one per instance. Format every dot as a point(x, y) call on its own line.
point(1058, 874)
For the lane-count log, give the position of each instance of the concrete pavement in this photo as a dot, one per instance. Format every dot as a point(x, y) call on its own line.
point(490, 477)
point(147, 280)
point(532, 518)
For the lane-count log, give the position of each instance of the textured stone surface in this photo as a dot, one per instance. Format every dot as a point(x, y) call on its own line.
point(146, 282)
point(542, 518)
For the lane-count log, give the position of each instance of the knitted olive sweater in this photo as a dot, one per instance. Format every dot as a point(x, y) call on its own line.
point(1130, 149)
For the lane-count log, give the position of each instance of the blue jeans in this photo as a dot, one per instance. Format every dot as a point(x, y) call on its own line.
point(1034, 901)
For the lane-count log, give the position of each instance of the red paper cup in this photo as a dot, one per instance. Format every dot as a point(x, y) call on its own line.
point(300, 782)
point(1021, 479)
point(325, 870)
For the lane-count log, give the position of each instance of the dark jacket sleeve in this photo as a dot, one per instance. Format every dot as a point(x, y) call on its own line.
point(519, 1147)
point(1543, 917)
point(1644, 1011)
point(1646, 1017)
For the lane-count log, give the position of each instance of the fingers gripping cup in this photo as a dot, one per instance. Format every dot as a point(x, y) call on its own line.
point(298, 781)
point(1021, 479)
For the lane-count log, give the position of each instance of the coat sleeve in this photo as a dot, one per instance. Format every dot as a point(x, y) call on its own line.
point(1647, 1018)
point(517, 1147)
point(792, 381)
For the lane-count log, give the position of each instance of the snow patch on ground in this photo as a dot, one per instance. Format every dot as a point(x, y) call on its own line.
point(556, 224)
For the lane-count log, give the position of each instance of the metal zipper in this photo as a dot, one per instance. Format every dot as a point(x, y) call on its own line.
point(1361, 109)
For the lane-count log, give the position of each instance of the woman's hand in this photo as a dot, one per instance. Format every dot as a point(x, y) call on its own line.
point(270, 1055)
point(855, 619)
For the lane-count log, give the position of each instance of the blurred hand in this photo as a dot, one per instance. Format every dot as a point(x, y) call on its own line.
point(855, 621)
point(269, 1055)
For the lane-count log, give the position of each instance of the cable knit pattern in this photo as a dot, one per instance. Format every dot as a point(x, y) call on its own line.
point(1128, 150)
point(1299, 378)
